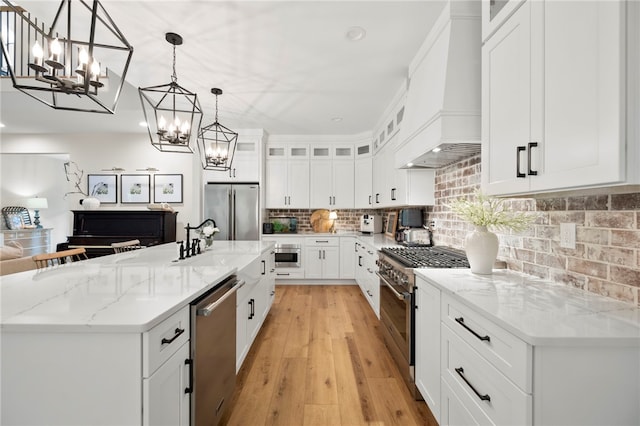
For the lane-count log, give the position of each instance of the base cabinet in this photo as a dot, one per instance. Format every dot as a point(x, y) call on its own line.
point(428, 345)
point(253, 302)
point(165, 398)
point(322, 258)
point(366, 277)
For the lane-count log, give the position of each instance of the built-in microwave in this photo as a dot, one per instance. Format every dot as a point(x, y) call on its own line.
point(288, 255)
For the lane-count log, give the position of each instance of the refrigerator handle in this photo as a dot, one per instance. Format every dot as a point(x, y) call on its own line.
point(231, 213)
point(233, 217)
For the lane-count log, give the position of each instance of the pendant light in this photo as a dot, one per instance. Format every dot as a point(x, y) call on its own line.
point(172, 113)
point(217, 143)
point(62, 65)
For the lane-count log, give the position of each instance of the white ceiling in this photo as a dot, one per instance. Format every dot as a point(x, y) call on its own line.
point(285, 66)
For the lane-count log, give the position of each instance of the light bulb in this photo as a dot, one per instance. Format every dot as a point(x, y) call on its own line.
point(55, 47)
point(95, 70)
point(162, 123)
point(83, 56)
point(184, 129)
point(38, 53)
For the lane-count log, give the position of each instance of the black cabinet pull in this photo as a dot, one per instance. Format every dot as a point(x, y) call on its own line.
point(529, 171)
point(393, 194)
point(177, 334)
point(252, 303)
point(377, 200)
point(519, 149)
point(359, 260)
point(484, 397)
point(461, 322)
point(189, 389)
point(264, 267)
point(369, 199)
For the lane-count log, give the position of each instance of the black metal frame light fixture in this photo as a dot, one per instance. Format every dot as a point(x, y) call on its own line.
point(52, 79)
point(217, 143)
point(181, 105)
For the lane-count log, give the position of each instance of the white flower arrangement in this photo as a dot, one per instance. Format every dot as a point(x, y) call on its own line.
point(491, 212)
point(209, 231)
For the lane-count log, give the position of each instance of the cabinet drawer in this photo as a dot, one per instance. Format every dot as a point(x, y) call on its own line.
point(322, 242)
point(481, 388)
point(163, 340)
point(509, 354)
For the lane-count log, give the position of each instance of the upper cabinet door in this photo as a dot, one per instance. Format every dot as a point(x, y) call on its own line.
point(506, 104)
point(554, 112)
point(584, 95)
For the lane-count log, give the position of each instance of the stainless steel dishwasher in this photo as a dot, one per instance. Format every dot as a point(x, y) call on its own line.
point(213, 352)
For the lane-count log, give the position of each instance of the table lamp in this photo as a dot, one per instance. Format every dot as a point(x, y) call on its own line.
point(333, 215)
point(36, 204)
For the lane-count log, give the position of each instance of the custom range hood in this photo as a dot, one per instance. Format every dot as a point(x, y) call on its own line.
point(442, 109)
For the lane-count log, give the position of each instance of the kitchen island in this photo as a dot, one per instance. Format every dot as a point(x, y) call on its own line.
point(79, 340)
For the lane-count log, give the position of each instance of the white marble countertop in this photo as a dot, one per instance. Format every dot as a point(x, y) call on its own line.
point(538, 311)
point(126, 292)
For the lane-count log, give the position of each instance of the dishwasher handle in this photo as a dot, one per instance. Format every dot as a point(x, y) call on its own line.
point(208, 310)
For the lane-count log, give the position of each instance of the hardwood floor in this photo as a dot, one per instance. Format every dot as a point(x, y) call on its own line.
point(320, 360)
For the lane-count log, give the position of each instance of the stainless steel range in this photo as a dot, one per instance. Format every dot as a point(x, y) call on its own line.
point(397, 301)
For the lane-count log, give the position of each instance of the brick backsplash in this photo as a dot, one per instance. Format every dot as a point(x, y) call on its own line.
point(606, 259)
point(348, 220)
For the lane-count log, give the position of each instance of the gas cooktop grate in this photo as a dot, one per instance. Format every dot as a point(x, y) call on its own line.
point(428, 257)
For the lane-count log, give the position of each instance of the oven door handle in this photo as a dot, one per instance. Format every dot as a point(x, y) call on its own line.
point(401, 296)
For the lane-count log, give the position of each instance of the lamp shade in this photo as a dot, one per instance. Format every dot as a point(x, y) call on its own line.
point(36, 203)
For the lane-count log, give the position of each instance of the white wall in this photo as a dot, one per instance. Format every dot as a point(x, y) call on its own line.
point(92, 153)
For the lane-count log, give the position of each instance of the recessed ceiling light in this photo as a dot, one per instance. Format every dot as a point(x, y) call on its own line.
point(436, 149)
point(409, 164)
point(1, 124)
point(356, 33)
point(336, 119)
point(142, 124)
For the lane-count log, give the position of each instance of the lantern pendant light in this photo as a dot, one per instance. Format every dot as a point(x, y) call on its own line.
point(217, 143)
point(82, 34)
point(172, 113)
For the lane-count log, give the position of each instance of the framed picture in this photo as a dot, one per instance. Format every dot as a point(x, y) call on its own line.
point(103, 187)
point(167, 188)
point(135, 189)
point(392, 222)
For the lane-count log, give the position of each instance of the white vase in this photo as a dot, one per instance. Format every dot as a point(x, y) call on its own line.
point(90, 203)
point(481, 247)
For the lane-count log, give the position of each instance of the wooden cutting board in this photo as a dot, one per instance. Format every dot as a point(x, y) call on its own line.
point(320, 221)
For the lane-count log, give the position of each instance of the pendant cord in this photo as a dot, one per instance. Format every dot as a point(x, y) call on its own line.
point(174, 77)
point(216, 108)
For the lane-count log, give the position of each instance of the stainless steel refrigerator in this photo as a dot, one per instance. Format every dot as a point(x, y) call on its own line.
point(235, 209)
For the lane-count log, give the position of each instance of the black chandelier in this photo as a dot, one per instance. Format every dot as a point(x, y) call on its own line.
point(63, 65)
point(175, 133)
point(217, 143)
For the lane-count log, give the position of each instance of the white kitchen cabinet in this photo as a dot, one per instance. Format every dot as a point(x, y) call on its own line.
point(247, 162)
point(166, 400)
point(347, 258)
point(363, 183)
point(331, 184)
point(365, 274)
point(287, 184)
point(552, 120)
point(400, 187)
point(322, 258)
point(427, 368)
point(245, 309)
